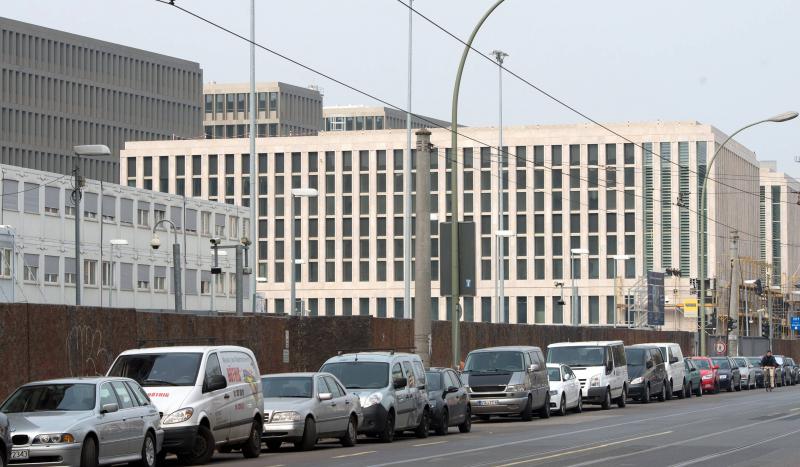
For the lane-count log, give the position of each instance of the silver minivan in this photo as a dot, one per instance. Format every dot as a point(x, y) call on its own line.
point(391, 389)
point(509, 380)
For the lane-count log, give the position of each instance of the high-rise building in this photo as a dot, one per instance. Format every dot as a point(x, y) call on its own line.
point(365, 118)
point(58, 90)
point(564, 187)
point(779, 222)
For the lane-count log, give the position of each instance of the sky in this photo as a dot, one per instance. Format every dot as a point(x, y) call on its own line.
point(723, 62)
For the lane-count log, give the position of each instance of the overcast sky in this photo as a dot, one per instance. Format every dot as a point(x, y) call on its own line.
point(723, 62)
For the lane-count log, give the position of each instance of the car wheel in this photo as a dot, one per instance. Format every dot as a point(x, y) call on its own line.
point(717, 388)
point(664, 395)
point(350, 437)
point(739, 386)
point(252, 447)
point(562, 407)
point(579, 407)
point(699, 390)
point(682, 392)
point(730, 386)
point(527, 412)
point(544, 412)
point(669, 390)
point(387, 435)
point(606, 400)
point(443, 424)
point(202, 448)
point(466, 426)
point(646, 395)
point(623, 399)
point(273, 444)
point(309, 440)
point(148, 451)
point(687, 389)
point(89, 453)
point(424, 427)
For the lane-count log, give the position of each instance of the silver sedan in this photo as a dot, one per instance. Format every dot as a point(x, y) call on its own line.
point(301, 408)
point(83, 422)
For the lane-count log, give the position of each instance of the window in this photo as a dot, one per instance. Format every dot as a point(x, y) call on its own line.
point(143, 277)
point(5, 262)
point(160, 278)
point(51, 269)
point(108, 274)
point(69, 271)
point(89, 272)
point(31, 270)
point(143, 214)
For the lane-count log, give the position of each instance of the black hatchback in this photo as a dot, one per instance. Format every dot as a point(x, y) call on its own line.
point(647, 372)
point(449, 401)
point(729, 376)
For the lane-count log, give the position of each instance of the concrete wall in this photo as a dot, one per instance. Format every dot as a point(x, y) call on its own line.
point(49, 341)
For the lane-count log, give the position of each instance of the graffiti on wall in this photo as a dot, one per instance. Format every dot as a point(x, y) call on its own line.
point(87, 356)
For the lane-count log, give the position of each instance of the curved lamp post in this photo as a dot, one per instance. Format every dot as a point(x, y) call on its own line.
point(702, 221)
point(176, 259)
point(455, 282)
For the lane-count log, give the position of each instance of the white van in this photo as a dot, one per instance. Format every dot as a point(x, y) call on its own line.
point(208, 397)
point(600, 367)
point(673, 358)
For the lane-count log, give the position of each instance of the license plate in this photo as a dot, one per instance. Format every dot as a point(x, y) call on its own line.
point(489, 402)
point(22, 454)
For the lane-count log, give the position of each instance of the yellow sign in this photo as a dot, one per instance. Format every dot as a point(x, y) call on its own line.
point(690, 308)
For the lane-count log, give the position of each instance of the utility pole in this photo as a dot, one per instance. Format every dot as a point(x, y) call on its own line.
point(408, 186)
point(733, 306)
point(422, 265)
point(500, 268)
point(769, 303)
point(252, 179)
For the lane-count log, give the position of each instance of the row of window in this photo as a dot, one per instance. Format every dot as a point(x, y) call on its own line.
point(93, 169)
point(263, 130)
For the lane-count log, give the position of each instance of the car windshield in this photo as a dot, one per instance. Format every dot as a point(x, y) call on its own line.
point(554, 374)
point(702, 364)
point(51, 397)
point(360, 375)
point(635, 357)
point(755, 361)
point(434, 380)
point(740, 362)
point(490, 362)
point(577, 356)
point(723, 363)
point(287, 386)
point(168, 369)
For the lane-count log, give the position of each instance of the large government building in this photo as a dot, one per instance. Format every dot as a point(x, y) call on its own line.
point(58, 90)
point(630, 201)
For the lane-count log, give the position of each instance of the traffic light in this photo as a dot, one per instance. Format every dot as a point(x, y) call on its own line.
point(731, 326)
point(765, 329)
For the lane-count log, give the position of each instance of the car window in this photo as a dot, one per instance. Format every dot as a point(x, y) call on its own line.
point(212, 366)
point(412, 381)
point(569, 372)
point(138, 393)
point(125, 399)
point(107, 395)
point(619, 355)
point(333, 387)
point(450, 381)
point(322, 386)
point(657, 358)
point(676, 349)
point(529, 359)
point(397, 372)
point(419, 371)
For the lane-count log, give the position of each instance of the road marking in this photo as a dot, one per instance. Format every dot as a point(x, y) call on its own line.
point(731, 451)
point(796, 408)
point(576, 451)
point(276, 465)
point(428, 444)
point(353, 455)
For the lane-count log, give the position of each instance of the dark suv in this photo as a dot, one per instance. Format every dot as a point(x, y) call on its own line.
point(729, 376)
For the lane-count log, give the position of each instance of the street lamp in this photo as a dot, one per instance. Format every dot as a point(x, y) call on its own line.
point(114, 243)
point(155, 243)
point(618, 281)
point(499, 55)
point(216, 253)
point(89, 150)
point(574, 308)
point(501, 271)
point(296, 193)
point(747, 317)
point(702, 221)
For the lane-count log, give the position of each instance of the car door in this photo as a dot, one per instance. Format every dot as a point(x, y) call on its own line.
point(404, 404)
point(618, 376)
point(219, 400)
point(325, 411)
point(148, 411)
point(416, 395)
point(451, 399)
point(462, 396)
point(340, 406)
point(111, 427)
point(541, 380)
point(133, 424)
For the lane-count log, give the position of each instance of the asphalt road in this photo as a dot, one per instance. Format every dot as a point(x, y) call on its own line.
point(744, 428)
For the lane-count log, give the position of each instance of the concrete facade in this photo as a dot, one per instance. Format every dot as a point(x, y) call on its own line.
point(58, 90)
point(366, 118)
point(567, 186)
point(37, 245)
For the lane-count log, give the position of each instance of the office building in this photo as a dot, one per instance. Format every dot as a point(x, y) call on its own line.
point(365, 118)
point(565, 187)
point(119, 267)
point(283, 110)
point(779, 222)
point(58, 90)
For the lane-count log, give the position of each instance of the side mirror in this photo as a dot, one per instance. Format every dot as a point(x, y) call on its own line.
point(109, 408)
point(693, 370)
point(215, 383)
point(400, 383)
point(325, 396)
point(533, 367)
point(609, 367)
point(452, 389)
point(649, 364)
point(673, 360)
point(715, 367)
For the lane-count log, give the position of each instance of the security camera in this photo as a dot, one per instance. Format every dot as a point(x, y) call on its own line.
point(155, 243)
point(561, 303)
point(215, 240)
point(245, 241)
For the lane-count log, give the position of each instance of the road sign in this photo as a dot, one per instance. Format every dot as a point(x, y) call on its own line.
point(720, 347)
point(655, 298)
point(690, 308)
point(795, 323)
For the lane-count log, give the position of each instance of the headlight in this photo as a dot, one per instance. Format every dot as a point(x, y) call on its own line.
point(595, 381)
point(515, 388)
point(467, 389)
point(57, 438)
point(637, 380)
point(279, 417)
point(553, 392)
point(723, 376)
point(178, 416)
point(707, 377)
point(372, 399)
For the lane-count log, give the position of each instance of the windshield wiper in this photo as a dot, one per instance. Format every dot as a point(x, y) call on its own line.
point(161, 382)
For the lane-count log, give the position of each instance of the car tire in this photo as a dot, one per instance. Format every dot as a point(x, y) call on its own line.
point(527, 412)
point(562, 407)
point(252, 447)
point(606, 405)
point(717, 388)
point(739, 386)
point(699, 390)
point(443, 424)
point(387, 435)
point(466, 425)
point(273, 444)
point(682, 392)
point(544, 412)
point(89, 453)
point(623, 399)
point(202, 448)
point(309, 440)
point(730, 386)
point(579, 407)
point(687, 389)
point(669, 391)
point(149, 453)
point(664, 394)
point(646, 395)
point(350, 437)
point(424, 427)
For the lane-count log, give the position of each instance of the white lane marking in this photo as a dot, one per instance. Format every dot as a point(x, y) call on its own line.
point(354, 454)
point(731, 451)
point(577, 451)
point(428, 444)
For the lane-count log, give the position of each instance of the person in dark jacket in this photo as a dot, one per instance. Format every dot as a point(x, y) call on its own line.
point(769, 364)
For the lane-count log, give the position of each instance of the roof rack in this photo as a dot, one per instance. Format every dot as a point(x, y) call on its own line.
point(173, 342)
point(390, 350)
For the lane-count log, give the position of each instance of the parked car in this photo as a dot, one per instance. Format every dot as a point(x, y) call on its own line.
point(676, 375)
point(507, 381)
point(729, 376)
point(5, 440)
point(746, 371)
point(787, 371)
point(709, 374)
point(301, 408)
point(209, 397)
point(83, 422)
point(565, 389)
point(693, 378)
point(449, 400)
point(391, 388)
point(600, 367)
point(755, 362)
point(648, 373)
point(794, 370)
